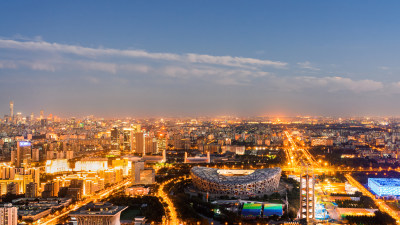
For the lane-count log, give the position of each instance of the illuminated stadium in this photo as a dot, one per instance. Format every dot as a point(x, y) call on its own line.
point(384, 186)
point(236, 182)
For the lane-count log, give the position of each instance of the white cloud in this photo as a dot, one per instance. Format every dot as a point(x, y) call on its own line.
point(225, 70)
point(174, 71)
point(99, 66)
point(7, 65)
point(95, 52)
point(140, 68)
point(393, 88)
point(384, 68)
point(42, 66)
point(307, 65)
point(213, 75)
point(233, 61)
point(91, 79)
point(340, 83)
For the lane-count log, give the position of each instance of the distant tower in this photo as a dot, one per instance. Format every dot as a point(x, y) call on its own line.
point(164, 155)
point(185, 159)
point(307, 203)
point(41, 115)
point(12, 109)
point(115, 139)
point(32, 117)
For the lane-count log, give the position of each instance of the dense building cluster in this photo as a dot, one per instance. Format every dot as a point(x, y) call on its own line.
point(46, 159)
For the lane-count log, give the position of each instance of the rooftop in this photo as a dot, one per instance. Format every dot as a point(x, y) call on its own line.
point(233, 176)
point(395, 182)
point(99, 208)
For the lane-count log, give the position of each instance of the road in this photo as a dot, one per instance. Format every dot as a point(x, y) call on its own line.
point(170, 210)
point(53, 219)
point(299, 156)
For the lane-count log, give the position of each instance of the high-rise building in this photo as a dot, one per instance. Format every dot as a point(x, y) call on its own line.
point(35, 154)
point(13, 188)
point(128, 139)
point(23, 155)
point(11, 109)
point(41, 115)
point(140, 147)
point(135, 129)
point(115, 140)
point(69, 154)
point(31, 190)
point(136, 168)
point(18, 117)
point(151, 145)
point(161, 142)
point(50, 190)
point(36, 175)
point(75, 190)
point(8, 214)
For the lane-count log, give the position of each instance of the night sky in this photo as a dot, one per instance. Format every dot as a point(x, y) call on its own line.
point(188, 58)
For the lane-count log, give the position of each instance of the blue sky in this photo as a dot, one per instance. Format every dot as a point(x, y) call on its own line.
point(193, 58)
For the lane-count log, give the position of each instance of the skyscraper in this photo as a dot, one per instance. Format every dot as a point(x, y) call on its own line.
point(136, 168)
point(23, 154)
point(115, 142)
point(140, 147)
point(151, 145)
point(11, 109)
point(135, 128)
point(128, 139)
point(13, 188)
point(31, 190)
point(114, 138)
point(161, 142)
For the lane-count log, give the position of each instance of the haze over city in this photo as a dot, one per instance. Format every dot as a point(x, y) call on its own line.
point(200, 58)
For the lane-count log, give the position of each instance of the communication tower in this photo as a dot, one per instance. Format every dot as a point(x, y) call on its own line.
point(307, 195)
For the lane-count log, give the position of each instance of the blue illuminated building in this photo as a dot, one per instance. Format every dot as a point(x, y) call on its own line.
point(384, 186)
point(24, 143)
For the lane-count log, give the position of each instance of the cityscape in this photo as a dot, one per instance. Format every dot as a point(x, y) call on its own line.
point(222, 170)
point(199, 113)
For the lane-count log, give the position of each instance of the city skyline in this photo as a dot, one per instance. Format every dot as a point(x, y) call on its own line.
point(199, 112)
point(197, 59)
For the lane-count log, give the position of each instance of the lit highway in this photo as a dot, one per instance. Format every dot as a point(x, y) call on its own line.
point(53, 219)
point(301, 154)
point(297, 156)
point(170, 211)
